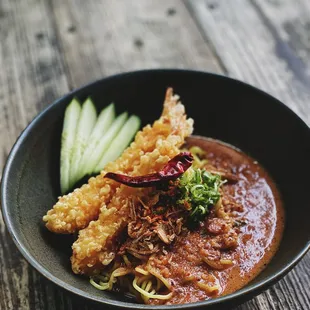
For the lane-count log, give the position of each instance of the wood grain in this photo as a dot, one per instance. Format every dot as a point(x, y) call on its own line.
point(51, 46)
point(116, 36)
point(251, 41)
point(31, 68)
point(31, 76)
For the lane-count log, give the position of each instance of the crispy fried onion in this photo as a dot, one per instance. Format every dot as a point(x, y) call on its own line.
point(152, 225)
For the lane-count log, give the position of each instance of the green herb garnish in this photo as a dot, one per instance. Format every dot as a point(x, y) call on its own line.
point(199, 190)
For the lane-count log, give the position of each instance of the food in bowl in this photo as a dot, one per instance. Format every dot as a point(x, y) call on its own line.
point(175, 219)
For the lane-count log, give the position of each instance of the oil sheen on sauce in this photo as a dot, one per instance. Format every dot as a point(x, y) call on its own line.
point(258, 239)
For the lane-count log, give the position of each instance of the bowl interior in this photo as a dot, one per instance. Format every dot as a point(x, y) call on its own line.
point(222, 108)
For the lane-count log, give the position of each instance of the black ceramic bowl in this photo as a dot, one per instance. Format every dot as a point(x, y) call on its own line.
point(221, 107)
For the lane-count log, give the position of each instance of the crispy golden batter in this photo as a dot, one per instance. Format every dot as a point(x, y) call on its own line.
point(95, 247)
point(74, 211)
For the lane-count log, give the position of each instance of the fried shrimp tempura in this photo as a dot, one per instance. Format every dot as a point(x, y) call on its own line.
point(97, 244)
point(74, 211)
point(95, 248)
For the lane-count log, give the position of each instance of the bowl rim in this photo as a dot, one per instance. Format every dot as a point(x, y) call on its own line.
point(248, 290)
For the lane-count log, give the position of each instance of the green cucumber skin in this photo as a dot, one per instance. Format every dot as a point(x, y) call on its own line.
point(105, 142)
point(120, 142)
point(71, 118)
point(87, 120)
point(104, 122)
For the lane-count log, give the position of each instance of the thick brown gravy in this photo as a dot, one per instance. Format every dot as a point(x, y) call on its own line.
point(259, 215)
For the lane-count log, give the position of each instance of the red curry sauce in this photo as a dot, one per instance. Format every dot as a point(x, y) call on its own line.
point(246, 247)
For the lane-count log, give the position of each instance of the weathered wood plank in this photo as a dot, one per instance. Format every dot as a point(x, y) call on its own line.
point(289, 24)
point(105, 37)
point(31, 71)
point(266, 43)
point(31, 77)
point(253, 50)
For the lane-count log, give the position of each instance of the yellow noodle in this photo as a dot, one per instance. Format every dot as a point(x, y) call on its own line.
point(159, 284)
point(126, 261)
point(159, 276)
point(102, 287)
point(142, 271)
point(117, 273)
point(147, 294)
point(226, 262)
point(147, 288)
point(207, 288)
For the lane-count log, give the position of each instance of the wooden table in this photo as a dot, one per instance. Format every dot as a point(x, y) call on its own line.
point(48, 47)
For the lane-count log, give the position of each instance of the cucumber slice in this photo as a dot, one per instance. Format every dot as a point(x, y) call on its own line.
point(84, 128)
point(105, 120)
point(72, 115)
point(120, 142)
point(105, 142)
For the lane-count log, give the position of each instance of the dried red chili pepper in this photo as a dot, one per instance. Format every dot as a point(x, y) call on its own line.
point(172, 170)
